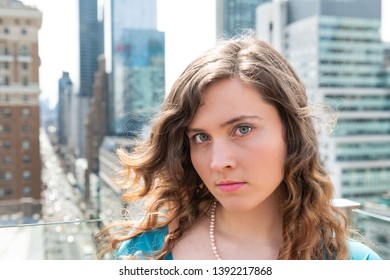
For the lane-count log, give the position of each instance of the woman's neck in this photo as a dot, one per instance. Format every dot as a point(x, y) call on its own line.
point(262, 223)
point(256, 233)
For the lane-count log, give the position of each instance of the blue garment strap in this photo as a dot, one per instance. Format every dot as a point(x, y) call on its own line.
point(144, 244)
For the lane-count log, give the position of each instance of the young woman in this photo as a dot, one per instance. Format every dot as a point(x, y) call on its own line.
point(232, 168)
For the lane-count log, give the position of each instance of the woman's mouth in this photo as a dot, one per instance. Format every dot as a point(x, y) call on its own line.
point(230, 186)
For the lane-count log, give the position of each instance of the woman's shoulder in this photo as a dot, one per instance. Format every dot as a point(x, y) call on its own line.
point(360, 251)
point(144, 244)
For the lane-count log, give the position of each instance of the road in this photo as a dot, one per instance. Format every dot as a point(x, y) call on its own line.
point(67, 235)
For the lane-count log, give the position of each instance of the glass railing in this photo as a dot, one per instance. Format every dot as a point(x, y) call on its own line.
point(375, 229)
point(75, 239)
point(72, 240)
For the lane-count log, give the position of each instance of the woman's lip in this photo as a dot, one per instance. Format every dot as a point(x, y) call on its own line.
point(230, 186)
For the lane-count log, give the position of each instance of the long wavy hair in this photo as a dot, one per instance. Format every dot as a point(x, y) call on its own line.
point(160, 172)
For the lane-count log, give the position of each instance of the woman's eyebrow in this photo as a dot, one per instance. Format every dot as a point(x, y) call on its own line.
point(228, 122)
point(194, 130)
point(238, 119)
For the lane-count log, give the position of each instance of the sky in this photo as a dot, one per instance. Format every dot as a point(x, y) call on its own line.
point(59, 49)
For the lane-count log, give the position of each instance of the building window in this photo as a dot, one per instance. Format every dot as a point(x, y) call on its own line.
point(8, 175)
point(7, 112)
point(6, 30)
point(5, 192)
point(25, 66)
point(7, 144)
point(26, 112)
point(27, 191)
point(26, 175)
point(24, 50)
point(25, 83)
point(26, 144)
point(26, 159)
point(24, 31)
point(8, 160)
point(26, 128)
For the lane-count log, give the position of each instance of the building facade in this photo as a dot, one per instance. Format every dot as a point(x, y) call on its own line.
point(91, 44)
point(20, 164)
point(64, 107)
point(271, 21)
point(137, 81)
point(336, 48)
point(234, 16)
point(97, 123)
point(91, 36)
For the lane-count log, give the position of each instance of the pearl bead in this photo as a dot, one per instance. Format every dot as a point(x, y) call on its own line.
point(212, 235)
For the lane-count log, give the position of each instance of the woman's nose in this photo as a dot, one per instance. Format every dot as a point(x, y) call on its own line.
point(222, 156)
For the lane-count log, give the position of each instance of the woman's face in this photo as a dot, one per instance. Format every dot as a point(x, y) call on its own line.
point(237, 145)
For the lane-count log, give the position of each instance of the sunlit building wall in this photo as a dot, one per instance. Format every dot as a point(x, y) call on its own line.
point(20, 164)
point(336, 48)
point(233, 16)
point(271, 19)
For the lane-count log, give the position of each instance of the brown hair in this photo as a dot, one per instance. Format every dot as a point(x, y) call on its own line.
point(160, 169)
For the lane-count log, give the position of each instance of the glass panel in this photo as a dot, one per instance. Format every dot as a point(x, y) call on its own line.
point(375, 229)
point(56, 241)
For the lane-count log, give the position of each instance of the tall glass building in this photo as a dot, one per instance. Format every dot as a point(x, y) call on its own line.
point(336, 48)
point(137, 65)
point(236, 15)
point(91, 44)
point(139, 79)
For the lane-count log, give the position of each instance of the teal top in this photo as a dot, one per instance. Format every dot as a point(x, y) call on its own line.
point(151, 241)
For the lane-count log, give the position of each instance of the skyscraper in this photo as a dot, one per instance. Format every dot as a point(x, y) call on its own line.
point(64, 108)
point(236, 15)
point(336, 48)
point(20, 164)
point(137, 65)
point(91, 44)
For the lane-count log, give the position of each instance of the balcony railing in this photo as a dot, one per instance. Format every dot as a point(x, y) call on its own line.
point(73, 238)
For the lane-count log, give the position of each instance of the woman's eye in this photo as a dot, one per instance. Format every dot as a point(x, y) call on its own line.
point(243, 129)
point(200, 138)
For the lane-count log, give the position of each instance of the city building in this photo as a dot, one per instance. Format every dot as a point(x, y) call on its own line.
point(91, 42)
point(140, 68)
point(97, 123)
point(65, 92)
point(233, 16)
point(137, 63)
point(336, 48)
point(271, 19)
point(387, 62)
point(20, 164)
point(91, 38)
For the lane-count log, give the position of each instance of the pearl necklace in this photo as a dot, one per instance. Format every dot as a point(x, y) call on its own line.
point(212, 235)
